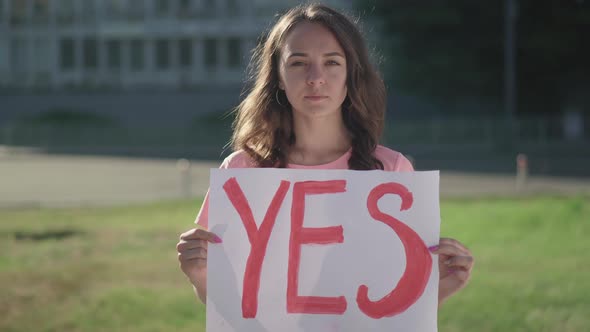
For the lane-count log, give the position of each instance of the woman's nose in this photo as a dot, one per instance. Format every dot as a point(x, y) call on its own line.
point(315, 75)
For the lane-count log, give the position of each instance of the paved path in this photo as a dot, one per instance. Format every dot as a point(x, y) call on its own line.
point(32, 179)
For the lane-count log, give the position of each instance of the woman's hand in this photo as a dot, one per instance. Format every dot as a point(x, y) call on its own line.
point(192, 254)
point(455, 264)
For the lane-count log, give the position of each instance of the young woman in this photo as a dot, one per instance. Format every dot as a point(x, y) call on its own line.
point(316, 103)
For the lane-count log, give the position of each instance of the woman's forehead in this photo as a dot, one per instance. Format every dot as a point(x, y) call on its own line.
point(311, 38)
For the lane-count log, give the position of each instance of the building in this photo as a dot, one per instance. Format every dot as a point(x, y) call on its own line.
point(130, 44)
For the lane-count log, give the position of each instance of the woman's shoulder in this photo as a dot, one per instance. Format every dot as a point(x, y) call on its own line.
point(393, 160)
point(238, 159)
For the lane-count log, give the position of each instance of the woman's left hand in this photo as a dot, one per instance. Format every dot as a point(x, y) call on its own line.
point(455, 264)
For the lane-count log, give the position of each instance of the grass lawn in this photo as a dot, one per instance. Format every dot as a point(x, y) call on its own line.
point(115, 269)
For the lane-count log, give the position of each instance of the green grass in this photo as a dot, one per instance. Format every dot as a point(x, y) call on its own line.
point(115, 269)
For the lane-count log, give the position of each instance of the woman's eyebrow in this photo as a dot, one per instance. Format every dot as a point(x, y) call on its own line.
point(334, 54)
point(325, 54)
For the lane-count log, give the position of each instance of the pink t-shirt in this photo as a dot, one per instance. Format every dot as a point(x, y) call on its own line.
point(392, 161)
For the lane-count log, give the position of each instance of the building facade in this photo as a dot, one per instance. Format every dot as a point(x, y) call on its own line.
point(127, 44)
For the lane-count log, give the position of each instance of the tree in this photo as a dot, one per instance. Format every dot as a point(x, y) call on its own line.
point(452, 50)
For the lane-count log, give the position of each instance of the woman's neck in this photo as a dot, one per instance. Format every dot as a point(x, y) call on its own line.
point(319, 140)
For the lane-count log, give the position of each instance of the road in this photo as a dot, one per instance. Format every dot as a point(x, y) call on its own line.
point(30, 179)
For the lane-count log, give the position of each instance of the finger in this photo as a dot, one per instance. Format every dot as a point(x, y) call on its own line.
point(462, 274)
point(449, 241)
point(192, 254)
point(195, 233)
point(453, 242)
point(191, 244)
point(200, 234)
point(446, 243)
point(465, 262)
point(449, 250)
point(194, 262)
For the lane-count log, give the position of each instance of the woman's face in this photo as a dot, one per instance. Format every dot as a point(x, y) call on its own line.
point(312, 71)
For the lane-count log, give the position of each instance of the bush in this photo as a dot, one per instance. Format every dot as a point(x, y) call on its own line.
point(68, 118)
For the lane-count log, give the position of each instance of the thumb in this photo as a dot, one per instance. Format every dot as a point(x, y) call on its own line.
point(201, 234)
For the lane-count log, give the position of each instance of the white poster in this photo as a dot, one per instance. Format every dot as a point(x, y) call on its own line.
point(322, 250)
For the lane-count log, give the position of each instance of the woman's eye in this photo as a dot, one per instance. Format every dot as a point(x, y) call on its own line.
point(333, 63)
point(297, 63)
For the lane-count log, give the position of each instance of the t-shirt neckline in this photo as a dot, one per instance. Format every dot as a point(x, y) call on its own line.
point(332, 164)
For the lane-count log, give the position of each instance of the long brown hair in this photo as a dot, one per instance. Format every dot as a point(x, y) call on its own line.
point(263, 126)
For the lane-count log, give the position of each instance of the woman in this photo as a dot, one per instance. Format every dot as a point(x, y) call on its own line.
point(316, 103)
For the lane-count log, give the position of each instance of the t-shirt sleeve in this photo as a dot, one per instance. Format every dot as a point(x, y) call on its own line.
point(393, 161)
point(235, 160)
point(403, 164)
point(203, 216)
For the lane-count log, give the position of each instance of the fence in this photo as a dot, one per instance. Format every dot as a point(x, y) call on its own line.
point(207, 138)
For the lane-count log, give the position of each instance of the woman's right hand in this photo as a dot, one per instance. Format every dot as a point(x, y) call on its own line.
point(192, 254)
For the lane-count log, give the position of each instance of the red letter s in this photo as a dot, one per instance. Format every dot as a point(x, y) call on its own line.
point(418, 259)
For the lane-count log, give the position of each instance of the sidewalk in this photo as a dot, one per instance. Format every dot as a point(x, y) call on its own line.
point(29, 179)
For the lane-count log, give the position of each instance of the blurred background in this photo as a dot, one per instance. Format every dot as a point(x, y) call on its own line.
point(471, 86)
point(112, 112)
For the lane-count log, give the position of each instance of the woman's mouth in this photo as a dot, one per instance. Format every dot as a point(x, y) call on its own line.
point(316, 98)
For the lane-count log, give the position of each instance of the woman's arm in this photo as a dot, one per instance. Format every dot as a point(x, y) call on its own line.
point(192, 255)
point(455, 263)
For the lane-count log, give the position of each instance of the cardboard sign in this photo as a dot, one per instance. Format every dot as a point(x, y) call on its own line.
point(322, 250)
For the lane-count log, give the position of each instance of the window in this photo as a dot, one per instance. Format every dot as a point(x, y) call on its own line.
point(185, 52)
point(18, 57)
point(87, 11)
point(137, 9)
point(137, 55)
point(19, 12)
point(210, 52)
point(114, 8)
point(162, 7)
point(184, 7)
point(234, 54)
point(209, 8)
point(162, 54)
point(65, 11)
point(41, 62)
point(18, 54)
point(40, 11)
point(232, 8)
point(114, 54)
point(67, 53)
point(90, 51)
